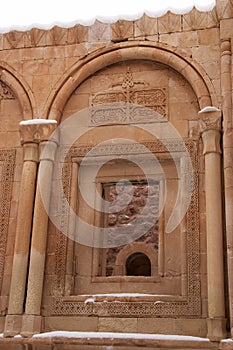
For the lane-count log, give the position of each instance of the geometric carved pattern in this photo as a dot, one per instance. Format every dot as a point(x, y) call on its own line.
point(189, 305)
point(5, 92)
point(133, 101)
point(7, 162)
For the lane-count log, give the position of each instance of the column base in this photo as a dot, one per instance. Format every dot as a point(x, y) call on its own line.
point(216, 329)
point(31, 324)
point(13, 324)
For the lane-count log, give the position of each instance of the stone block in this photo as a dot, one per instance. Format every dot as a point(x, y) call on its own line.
point(111, 324)
point(13, 325)
point(31, 324)
point(226, 26)
point(122, 30)
point(70, 323)
point(169, 23)
point(216, 328)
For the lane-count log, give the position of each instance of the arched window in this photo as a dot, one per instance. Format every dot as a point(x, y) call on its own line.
point(138, 264)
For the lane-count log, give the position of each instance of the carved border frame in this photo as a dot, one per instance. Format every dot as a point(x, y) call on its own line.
point(189, 305)
point(7, 158)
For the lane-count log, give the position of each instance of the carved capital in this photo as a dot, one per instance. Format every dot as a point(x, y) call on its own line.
point(36, 130)
point(210, 125)
point(210, 119)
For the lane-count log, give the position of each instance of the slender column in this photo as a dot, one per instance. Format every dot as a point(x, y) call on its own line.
point(48, 147)
point(29, 141)
point(210, 126)
point(226, 89)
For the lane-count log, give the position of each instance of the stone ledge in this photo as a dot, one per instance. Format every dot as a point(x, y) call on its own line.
point(85, 341)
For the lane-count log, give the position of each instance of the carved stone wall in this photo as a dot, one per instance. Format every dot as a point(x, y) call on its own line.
point(189, 304)
point(7, 163)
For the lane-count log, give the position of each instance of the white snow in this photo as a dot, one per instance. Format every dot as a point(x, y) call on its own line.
point(37, 121)
point(229, 340)
point(209, 109)
point(111, 335)
point(92, 298)
point(27, 14)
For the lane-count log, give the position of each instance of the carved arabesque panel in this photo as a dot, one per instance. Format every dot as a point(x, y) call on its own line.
point(7, 163)
point(191, 303)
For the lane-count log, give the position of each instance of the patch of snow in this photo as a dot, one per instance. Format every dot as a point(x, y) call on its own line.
point(66, 334)
point(209, 109)
point(229, 340)
point(28, 14)
point(89, 300)
point(18, 336)
point(37, 121)
point(123, 295)
point(1, 335)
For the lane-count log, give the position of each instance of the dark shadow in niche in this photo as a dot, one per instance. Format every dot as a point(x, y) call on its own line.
point(138, 264)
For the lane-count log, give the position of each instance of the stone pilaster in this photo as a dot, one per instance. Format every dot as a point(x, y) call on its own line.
point(210, 124)
point(29, 140)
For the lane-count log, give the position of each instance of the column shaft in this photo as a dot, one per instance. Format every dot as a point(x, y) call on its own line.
point(211, 126)
point(39, 232)
point(23, 232)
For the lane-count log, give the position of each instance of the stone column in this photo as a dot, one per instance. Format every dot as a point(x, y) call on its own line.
point(226, 89)
point(210, 127)
point(32, 318)
point(29, 140)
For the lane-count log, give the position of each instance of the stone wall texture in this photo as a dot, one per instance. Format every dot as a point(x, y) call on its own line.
point(127, 82)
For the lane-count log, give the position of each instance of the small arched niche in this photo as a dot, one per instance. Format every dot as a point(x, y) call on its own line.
point(138, 264)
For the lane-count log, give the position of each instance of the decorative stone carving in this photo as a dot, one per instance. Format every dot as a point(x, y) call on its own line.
point(122, 30)
point(99, 32)
point(170, 22)
point(5, 92)
point(145, 26)
point(132, 105)
point(189, 305)
point(36, 132)
point(200, 20)
point(7, 163)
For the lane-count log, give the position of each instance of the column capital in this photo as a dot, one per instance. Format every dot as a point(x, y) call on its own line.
point(36, 130)
point(210, 119)
point(210, 125)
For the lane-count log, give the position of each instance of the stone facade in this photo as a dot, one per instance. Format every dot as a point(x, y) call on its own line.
point(148, 101)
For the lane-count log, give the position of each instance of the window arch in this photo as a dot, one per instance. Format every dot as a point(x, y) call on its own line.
point(138, 264)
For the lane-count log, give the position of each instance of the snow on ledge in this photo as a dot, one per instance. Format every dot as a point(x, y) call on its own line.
point(37, 121)
point(66, 334)
point(74, 13)
point(209, 109)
